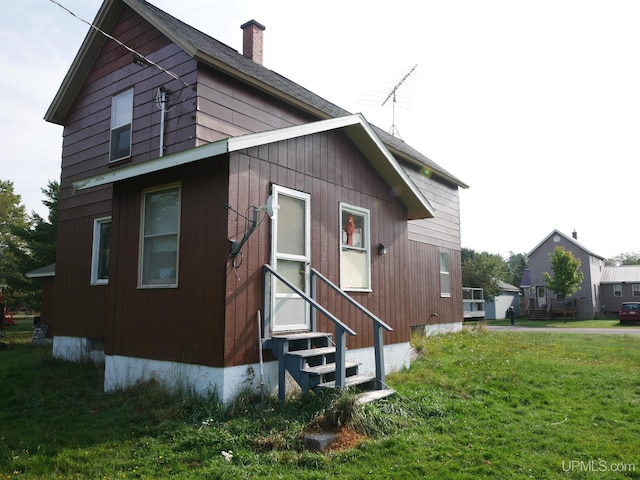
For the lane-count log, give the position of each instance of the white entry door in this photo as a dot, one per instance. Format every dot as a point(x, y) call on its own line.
point(291, 257)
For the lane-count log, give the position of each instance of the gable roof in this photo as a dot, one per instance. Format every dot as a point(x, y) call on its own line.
point(507, 287)
point(355, 127)
point(569, 239)
point(210, 51)
point(621, 274)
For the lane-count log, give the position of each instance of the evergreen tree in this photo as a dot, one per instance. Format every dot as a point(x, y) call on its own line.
point(14, 221)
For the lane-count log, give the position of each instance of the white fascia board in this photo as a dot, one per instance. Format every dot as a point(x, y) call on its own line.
point(155, 165)
point(287, 133)
point(399, 171)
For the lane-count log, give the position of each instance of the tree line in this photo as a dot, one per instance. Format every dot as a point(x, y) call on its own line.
point(27, 242)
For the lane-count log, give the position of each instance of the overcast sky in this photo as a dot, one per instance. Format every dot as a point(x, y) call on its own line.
point(534, 104)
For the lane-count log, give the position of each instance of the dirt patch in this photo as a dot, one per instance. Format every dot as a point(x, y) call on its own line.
point(346, 439)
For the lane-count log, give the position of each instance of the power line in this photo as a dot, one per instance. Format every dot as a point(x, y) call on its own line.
point(139, 55)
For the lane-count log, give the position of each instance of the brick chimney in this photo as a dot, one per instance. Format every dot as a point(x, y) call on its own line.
point(574, 235)
point(252, 40)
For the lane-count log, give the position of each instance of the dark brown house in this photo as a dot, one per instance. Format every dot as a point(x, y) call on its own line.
point(190, 173)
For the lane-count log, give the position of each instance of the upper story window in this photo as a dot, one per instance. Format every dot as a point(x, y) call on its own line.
point(355, 273)
point(160, 236)
point(100, 253)
point(121, 118)
point(617, 290)
point(445, 275)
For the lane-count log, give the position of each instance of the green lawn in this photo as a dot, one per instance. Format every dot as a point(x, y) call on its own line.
point(559, 323)
point(476, 404)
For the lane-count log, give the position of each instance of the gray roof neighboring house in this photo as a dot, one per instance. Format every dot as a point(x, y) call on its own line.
point(507, 287)
point(621, 274)
point(210, 51)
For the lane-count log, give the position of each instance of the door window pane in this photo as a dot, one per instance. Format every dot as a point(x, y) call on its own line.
point(291, 225)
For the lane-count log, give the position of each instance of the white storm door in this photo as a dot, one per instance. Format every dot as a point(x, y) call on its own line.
point(291, 257)
point(541, 296)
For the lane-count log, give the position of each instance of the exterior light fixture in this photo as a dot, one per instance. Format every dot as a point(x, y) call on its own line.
point(382, 250)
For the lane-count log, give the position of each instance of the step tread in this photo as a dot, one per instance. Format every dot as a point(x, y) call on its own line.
point(373, 395)
point(300, 336)
point(327, 368)
point(312, 352)
point(351, 381)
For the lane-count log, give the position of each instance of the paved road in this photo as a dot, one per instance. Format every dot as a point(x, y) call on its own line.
point(608, 331)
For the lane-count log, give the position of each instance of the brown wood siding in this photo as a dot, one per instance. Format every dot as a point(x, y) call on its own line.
point(78, 306)
point(444, 229)
point(228, 108)
point(328, 167)
point(424, 271)
point(183, 324)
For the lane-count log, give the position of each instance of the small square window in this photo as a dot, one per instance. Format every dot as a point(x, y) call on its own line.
point(121, 119)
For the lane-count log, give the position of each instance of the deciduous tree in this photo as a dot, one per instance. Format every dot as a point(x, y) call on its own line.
point(483, 270)
point(566, 277)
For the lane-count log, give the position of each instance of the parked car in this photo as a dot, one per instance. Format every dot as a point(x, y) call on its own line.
point(629, 312)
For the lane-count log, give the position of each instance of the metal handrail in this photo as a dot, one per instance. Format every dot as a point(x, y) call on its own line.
point(351, 300)
point(310, 300)
point(378, 325)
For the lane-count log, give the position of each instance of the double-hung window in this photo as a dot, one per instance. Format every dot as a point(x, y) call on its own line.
point(445, 275)
point(100, 253)
point(121, 119)
point(160, 237)
point(617, 290)
point(355, 249)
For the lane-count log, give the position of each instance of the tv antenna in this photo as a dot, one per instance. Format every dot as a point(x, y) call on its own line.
point(393, 131)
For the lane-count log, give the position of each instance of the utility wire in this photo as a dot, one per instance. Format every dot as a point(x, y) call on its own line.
point(171, 74)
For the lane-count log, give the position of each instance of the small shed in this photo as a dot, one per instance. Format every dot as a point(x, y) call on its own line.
point(509, 297)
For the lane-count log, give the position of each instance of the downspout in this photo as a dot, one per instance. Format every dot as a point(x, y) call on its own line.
point(163, 103)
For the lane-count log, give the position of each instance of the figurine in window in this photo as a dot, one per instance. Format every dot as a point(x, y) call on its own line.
point(349, 228)
point(352, 236)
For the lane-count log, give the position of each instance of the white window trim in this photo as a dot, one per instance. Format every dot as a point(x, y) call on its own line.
point(444, 294)
point(635, 289)
point(366, 247)
point(113, 126)
point(95, 252)
point(617, 290)
point(142, 236)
